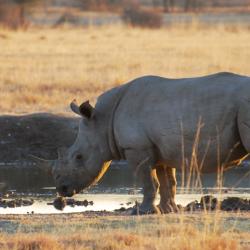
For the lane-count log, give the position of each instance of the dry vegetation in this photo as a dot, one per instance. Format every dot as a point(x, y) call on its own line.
point(76, 231)
point(44, 69)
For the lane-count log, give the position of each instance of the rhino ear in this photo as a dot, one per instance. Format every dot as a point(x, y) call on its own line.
point(86, 110)
point(74, 107)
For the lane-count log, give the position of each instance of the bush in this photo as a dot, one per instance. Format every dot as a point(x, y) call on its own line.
point(11, 16)
point(100, 5)
point(12, 13)
point(142, 18)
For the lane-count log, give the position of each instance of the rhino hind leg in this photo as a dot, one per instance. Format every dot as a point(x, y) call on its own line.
point(142, 164)
point(167, 180)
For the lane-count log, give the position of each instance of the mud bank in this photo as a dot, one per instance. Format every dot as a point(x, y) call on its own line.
point(38, 134)
point(206, 203)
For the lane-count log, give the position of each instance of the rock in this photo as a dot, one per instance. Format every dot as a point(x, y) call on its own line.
point(60, 203)
point(235, 203)
point(19, 202)
point(122, 209)
point(85, 203)
point(15, 203)
point(70, 202)
point(28, 202)
point(208, 202)
point(11, 203)
point(193, 206)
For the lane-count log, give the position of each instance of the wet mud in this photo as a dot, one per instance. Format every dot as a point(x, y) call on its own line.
point(207, 203)
point(210, 203)
point(12, 203)
point(60, 203)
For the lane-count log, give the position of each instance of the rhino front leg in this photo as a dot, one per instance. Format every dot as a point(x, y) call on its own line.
point(167, 179)
point(142, 165)
point(150, 190)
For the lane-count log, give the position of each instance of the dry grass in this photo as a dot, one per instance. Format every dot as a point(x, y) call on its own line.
point(200, 231)
point(44, 69)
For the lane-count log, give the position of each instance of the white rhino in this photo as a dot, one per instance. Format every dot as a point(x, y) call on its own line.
point(155, 124)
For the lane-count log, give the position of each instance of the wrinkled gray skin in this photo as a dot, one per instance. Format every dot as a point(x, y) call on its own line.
point(152, 122)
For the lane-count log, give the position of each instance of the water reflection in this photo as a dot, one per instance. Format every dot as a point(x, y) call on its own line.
point(108, 202)
point(114, 191)
point(33, 179)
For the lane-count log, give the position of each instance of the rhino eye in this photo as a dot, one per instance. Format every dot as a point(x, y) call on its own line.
point(79, 157)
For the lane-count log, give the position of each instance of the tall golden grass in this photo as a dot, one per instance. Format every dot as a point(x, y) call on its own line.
point(77, 231)
point(44, 69)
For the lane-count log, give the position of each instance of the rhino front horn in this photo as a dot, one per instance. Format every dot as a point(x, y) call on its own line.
point(45, 165)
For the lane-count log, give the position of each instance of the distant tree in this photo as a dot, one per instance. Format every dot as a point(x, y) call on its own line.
point(190, 4)
point(99, 4)
point(12, 12)
point(23, 5)
point(168, 5)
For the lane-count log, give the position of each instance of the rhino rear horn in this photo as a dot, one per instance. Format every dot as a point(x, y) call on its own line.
point(85, 109)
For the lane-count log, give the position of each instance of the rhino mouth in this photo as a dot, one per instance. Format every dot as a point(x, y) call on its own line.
point(66, 190)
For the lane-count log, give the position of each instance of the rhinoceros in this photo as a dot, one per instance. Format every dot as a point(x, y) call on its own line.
point(158, 125)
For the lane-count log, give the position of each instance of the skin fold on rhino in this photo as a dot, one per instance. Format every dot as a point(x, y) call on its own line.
point(152, 122)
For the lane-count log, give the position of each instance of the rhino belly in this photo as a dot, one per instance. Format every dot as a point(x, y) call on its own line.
point(202, 150)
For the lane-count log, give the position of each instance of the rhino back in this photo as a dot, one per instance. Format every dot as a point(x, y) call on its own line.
point(164, 113)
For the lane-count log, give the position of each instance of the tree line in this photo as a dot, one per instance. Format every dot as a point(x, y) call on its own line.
point(165, 5)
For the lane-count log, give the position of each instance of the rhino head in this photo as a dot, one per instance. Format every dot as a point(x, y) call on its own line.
point(85, 162)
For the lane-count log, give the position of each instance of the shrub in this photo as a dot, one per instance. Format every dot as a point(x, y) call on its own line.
point(12, 13)
point(100, 5)
point(143, 18)
point(11, 16)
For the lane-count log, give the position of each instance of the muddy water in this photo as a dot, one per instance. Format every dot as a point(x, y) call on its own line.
point(106, 201)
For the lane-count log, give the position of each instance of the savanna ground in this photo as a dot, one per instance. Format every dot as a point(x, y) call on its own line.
point(44, 69)
point(79, 231)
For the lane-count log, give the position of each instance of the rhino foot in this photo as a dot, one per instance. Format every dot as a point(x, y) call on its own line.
point(142, 210)
point(168, 207)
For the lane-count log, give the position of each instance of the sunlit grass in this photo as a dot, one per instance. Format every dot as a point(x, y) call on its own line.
point(44, 69)
point(74, 231)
